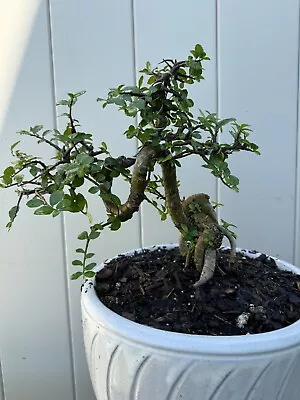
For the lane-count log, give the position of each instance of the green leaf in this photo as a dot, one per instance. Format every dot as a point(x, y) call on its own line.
point(34, 170)
point(139, 104)
point(152, 89)
point(81, 171)
point(151, 80)
point(55, 213)
point(80, 202)
point(140, 82)
point(76, 262)
point(7, 180)
point(79, 250)
point(83, 235)
point(131, 111)
point(198, 52)
point(13, 146)
point(89, 255)
point(93, 235)
point(197, 135)
point(77, 94)
point(9, 225)
point(75, 276)
point(115, 225)
point(111, 197)
point(44, 210)
point(99, 227)
point(190, 102)
point(94, 189)
point(35, 202)
point(7, 175)
point(80, 137)
point(64, 205)
point(89, 274)
point(56, 197)
point(62, 138)
point(163, 216)
point(36, 129)
point(9, 171)
point(19, 178)
point(223, 122)
point(131, 132)
point(90, 266)
point(167, 158)
point(233, 180)
point(84, 159)
point(13, 212)
point(63, 103)
point(78, 181)
point(119, 101)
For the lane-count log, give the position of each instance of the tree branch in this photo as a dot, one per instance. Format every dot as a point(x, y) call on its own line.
point(143, 162)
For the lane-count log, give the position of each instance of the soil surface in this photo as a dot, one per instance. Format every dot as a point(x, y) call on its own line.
point(153, 288)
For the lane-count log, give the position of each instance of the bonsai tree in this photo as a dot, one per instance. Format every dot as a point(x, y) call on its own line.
point(167, 131)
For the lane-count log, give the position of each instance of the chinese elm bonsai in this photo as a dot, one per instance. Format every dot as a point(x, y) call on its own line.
point(167, 131)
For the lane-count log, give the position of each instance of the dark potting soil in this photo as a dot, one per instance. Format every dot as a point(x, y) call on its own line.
point(154, 289)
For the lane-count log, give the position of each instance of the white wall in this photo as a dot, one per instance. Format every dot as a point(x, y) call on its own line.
point(71, 45)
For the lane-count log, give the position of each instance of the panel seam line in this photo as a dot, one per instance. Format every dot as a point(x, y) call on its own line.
point(218, 108)
point(297, 160)
point(134, 59)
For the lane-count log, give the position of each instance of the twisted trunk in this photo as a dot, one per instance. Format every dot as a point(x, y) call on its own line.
point(142, 165)
point(174, 203)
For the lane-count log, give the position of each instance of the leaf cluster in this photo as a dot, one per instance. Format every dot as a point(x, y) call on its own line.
point(168, 125)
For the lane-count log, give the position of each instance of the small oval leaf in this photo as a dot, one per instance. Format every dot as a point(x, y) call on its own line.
point(56, 197)
point(76, 275)
point(44, 210)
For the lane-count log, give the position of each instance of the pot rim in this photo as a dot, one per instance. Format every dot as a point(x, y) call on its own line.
point(283, 339)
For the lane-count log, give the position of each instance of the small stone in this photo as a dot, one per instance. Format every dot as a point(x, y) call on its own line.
point(242, 320)
point(231, 290)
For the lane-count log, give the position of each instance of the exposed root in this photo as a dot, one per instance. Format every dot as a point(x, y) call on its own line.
point(208, 267)
point(232, 244)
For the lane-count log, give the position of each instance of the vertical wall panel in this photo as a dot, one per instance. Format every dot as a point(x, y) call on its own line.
point(258, 68)
point(34, 338)
point(92, 48)
point(297, 208)
point(171, 32)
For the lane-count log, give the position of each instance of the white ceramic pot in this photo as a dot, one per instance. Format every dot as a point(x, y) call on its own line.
point(129, 361)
